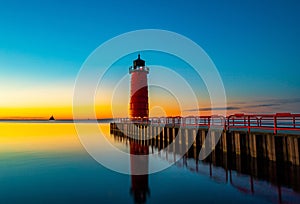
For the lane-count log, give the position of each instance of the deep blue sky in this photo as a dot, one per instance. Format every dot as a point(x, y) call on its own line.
point(254, 44)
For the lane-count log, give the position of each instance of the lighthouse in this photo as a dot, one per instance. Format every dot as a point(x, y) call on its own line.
point(139, 109)
point(139, 89)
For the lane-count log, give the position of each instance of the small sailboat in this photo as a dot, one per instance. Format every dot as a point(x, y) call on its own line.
point(52, 118)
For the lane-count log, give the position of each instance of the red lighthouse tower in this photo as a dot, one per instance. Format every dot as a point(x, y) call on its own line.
point(139, 89)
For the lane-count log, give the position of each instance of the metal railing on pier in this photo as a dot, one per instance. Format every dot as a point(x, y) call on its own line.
point(247, 122)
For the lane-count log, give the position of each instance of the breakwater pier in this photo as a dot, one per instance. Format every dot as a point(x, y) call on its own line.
point(273, 137)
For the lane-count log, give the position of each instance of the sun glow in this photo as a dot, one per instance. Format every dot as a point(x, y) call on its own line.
point(45, 137)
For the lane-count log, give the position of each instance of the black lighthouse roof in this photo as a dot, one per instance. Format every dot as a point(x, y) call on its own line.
point(138, 66)
point(138, 62)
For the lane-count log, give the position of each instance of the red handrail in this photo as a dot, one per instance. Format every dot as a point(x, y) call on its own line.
point(275, 122)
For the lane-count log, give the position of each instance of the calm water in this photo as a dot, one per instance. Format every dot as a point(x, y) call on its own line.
point(46, 163)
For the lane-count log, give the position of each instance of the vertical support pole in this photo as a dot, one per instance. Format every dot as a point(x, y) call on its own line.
point(237, 143)
point(168, 135)
point(194, 136)
point(284, 149)
point(224, 141)
point(264, 145)
point(186, 139)
point(291, 150)
point(248, 143)
point(213, 139)
point(296, 145)
point(180, 140)
point(270, 147)
point(203, 138)
point(211, 147)
point(252, 139)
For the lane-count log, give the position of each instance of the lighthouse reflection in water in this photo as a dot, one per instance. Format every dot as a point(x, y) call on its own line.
point(139, 183)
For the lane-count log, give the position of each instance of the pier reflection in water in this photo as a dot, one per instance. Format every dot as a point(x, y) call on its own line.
point(277, 181)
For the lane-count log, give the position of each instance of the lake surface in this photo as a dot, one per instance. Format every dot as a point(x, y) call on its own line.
point(46, 163)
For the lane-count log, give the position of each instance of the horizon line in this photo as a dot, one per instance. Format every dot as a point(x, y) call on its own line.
point(110, 118)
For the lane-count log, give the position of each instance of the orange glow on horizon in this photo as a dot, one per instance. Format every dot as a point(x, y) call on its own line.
point(160, 105)
point(44, 137)
point(64, 112)
point(156, 109)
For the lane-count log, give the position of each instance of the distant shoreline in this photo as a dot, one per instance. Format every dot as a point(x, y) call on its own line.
point(104, 120)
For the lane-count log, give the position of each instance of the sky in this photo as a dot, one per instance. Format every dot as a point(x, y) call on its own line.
point(254, 45)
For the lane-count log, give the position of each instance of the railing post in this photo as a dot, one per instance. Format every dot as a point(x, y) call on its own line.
point(260, 122)
point(249, 123)
point(224, 119)
point(228, 121)
point(275, 124)
point(294, 122)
